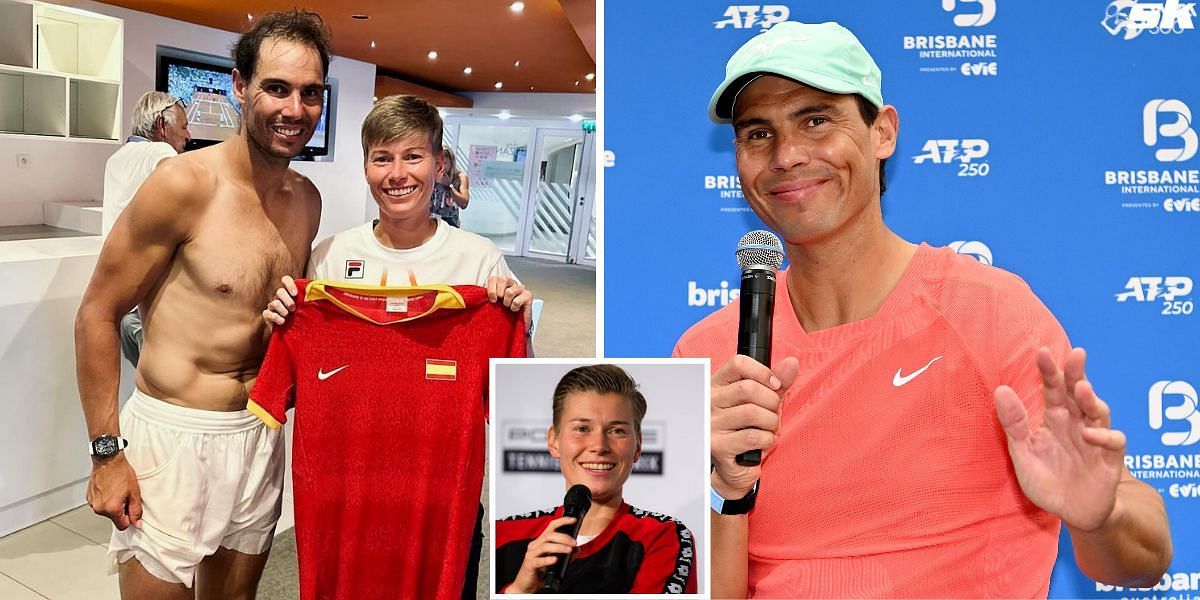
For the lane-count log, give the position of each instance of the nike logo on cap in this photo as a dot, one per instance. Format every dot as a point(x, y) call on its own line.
point(899, 380)
point(322, 375)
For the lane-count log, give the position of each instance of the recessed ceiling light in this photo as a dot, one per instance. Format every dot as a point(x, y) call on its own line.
point(576, 117)
point(517, 64)
point(372, 43)
point(249, 17)
point(504, 115)
point(517, 7)
point(360, 17)
point(590, 76)
point(374, 98)
point(576, 82)
point(467, 71)
point(531, 88)
point(433, 55)
point(499, 84)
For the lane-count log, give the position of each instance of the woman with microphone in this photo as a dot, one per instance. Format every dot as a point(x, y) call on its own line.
point(596, 436)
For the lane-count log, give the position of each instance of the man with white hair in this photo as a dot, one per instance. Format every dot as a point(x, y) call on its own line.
point(159, 131)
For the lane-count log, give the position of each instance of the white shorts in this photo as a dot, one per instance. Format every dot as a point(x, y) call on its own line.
point(207, 478)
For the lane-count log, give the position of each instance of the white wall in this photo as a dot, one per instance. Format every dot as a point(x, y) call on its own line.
point(74, 170)
point(547, 104)
point(676, 401)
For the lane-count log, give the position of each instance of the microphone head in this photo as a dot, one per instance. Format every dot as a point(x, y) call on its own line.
point(578, 500)
point(760, 249)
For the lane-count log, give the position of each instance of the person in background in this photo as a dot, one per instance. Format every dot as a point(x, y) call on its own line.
point(159, 131)
point(452, 192)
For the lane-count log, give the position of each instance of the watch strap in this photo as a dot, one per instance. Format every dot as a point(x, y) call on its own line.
point(740, 506)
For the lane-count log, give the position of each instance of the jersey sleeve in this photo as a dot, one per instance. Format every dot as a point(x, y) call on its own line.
point(274, 390)
point(669, 566)
point(317, 262)
point(1026, 325)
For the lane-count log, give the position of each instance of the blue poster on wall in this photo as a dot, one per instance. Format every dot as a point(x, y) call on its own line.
point(1055, 140)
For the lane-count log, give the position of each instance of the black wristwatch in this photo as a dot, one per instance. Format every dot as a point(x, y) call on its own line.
point(740, 506)
point(107, 446)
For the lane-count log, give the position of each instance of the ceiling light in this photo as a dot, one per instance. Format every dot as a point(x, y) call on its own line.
point(249, 17)
point(590, 76)
point(576, 117)
point(372, 43)
point(360, 17)
point(576, 82)
point(517, 64)
point(499, 84)
point(517, 7)
point(374, 98)
point(467, 71)
point(433, 55)
point(504, 115)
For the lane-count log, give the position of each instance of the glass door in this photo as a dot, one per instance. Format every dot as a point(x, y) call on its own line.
point(557, 171)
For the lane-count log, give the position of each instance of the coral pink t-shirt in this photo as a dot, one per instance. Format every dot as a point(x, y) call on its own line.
point(891, 475)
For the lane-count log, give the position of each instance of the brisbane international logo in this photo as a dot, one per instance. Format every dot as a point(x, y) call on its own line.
point(968, 51)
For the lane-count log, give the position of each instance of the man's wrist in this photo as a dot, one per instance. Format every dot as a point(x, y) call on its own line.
point(727, 491)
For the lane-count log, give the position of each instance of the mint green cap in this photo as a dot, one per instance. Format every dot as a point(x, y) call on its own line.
point(825, 56)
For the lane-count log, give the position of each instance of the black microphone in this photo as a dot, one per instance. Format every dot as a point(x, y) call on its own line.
point(576, 504)
point(760, 254)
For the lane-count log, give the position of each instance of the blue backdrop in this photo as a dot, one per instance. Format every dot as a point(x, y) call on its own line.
point(1033, 135)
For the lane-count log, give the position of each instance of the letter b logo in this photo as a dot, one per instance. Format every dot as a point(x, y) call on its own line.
point(1186, 410)
point(1181, 128)
point(979, 19)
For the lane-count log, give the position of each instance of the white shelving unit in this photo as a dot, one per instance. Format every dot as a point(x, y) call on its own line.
point(60, 71)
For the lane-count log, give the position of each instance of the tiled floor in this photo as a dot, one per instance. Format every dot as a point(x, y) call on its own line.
point(65, 557)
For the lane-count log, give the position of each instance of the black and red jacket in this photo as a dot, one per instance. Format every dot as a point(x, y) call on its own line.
point(638, 553)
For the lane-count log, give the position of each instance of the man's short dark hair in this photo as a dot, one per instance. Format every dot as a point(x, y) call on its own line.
point(300, 26)
point(869, 113)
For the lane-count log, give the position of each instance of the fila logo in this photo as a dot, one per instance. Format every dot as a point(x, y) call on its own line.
point(1148, 289)
point(354, 269)
point(1181, 128)
point(1134, 17)
point(987, 12)
point(745, 16)
point(899, 380)
point(1186, 410)
point(322, 375)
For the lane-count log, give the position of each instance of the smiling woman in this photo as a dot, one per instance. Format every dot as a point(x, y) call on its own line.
point(596, 435)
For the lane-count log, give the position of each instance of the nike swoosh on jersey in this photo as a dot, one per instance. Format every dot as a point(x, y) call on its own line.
point(899, 380)
point(322, 375)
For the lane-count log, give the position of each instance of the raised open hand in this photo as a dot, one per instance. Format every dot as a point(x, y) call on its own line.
point(1071, 464)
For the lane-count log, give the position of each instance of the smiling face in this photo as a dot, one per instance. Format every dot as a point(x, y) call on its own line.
point(808, 162)
point(596, 443)
point(401, 174)
point(282, 101)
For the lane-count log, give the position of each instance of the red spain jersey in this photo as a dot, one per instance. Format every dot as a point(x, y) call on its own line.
point(890, 477)
point(389, 388)
point(639, 552)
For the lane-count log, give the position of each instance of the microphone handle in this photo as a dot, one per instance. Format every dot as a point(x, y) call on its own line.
point(556, 572)
point(754, 330)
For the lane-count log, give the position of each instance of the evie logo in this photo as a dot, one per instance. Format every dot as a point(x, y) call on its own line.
point(354, 269)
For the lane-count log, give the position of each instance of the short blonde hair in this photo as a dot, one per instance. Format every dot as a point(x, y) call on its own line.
point(395, 117)
point(601, 379)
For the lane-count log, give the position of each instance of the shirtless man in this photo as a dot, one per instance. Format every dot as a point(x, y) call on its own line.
point(196, 494)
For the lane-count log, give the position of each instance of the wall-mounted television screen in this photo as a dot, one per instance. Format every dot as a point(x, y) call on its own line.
point(205, 84)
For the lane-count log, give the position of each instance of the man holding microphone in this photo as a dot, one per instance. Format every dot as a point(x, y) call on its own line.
point(925, 424)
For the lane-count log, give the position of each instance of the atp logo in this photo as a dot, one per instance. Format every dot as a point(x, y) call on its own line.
point(1133, 17)
point(966, 152)
point(1175, 401)
point(1149, 289)
point(975, 19)
point(977, 250)
point(745, 16)
point(1181, 127)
